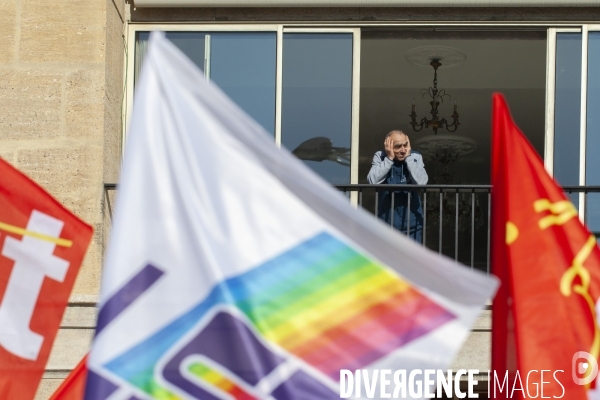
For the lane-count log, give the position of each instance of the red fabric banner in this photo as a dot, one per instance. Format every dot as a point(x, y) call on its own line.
point(549, 266)
point(73, 387)
point(42, 245)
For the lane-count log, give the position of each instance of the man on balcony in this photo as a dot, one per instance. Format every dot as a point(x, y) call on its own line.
point(397, 165)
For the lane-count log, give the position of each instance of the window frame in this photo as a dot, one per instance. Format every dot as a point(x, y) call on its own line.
point(355, 28)
point(584, 29)
point(129, 72)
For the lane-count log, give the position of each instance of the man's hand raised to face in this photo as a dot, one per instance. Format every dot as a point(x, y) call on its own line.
point(389, 147)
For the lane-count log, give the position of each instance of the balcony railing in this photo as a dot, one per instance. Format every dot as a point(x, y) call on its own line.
point(456, 218)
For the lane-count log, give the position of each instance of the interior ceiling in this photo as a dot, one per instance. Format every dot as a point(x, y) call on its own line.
point(513, 63)
point(492, 62)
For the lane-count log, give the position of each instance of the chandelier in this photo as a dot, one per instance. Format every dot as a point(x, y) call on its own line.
point(436, 96)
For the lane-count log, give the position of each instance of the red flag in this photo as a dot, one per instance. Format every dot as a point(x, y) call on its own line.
point(73, 388)
point(42, 245)
point(549, 264)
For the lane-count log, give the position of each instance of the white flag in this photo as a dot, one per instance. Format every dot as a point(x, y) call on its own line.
point(235, 272)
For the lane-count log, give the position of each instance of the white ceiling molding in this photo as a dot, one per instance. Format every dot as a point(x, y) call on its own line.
point(366, 3)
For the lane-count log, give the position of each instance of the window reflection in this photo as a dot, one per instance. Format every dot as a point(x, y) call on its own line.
point(192, 44)
point(567, 108)
point(321, 149)
point(242, 64)
point(592, 161)
point(317, 101)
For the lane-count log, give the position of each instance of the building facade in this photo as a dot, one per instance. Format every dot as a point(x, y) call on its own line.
point(327, 80)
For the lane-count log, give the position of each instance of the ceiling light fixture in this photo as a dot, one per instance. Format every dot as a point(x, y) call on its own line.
point(437, 96)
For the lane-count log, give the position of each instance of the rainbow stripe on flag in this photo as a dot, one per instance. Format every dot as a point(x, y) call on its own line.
point(333, 307)
point(212, 377)
point(323, 302)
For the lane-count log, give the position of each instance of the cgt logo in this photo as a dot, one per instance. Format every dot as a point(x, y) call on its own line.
point(584, 368)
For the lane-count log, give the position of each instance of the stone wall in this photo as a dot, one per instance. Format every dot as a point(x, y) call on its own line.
point(61, 81)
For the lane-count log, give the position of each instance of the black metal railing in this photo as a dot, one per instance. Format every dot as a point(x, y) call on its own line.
point(456, 218)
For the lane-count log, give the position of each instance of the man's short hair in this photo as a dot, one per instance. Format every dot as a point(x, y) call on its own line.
point(398, 132)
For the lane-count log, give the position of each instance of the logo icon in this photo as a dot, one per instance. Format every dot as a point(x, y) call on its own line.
point(584, 368)
point(34, 261)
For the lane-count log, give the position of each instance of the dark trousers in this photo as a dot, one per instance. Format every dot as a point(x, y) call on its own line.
point(400, 213)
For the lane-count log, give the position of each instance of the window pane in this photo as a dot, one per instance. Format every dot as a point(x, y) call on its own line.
point(567, 113)
point(592, 161)
point(191, 43)
point(567, 108)
point(317, 101)
point(141, 47)
point(243, 64)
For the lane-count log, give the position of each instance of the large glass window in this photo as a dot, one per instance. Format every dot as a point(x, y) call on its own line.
point(242, 64)
point(317, 101)
point(396, 73)
point(316, 87)
point(567, 110)
point(592, 161)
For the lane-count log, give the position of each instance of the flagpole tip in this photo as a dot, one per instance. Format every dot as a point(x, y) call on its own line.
point(498, 98)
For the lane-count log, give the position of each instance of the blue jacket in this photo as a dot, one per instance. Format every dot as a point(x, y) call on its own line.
point(409, 171)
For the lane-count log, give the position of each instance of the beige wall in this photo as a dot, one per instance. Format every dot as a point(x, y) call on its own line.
point(61, 65)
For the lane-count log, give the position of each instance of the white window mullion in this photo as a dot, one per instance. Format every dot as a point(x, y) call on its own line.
point(278, 85)
point(550, 100)
point(207, 57)
point(583, 120)
point(354, 140)
point(129, 77)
